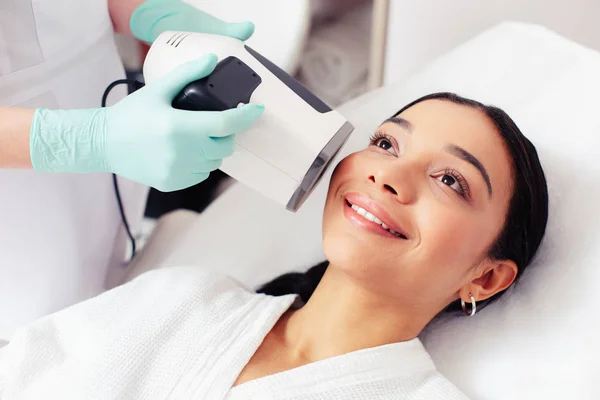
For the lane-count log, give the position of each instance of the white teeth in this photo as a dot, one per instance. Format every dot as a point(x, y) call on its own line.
point(367, 215)
point(393, 232)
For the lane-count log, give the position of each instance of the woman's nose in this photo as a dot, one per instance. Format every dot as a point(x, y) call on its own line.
point(400, 186)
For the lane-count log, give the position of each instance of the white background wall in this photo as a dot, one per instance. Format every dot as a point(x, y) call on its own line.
point(420, 30)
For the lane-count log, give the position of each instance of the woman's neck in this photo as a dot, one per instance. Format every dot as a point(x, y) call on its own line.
point(342, 317)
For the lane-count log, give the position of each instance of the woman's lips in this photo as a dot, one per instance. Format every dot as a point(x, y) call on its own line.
point(358, 218)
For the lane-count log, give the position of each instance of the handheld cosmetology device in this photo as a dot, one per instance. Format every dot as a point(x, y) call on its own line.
point(287, 150)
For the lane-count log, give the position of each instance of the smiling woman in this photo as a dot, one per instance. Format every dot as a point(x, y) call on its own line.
point(447, 204)
point(463, 189)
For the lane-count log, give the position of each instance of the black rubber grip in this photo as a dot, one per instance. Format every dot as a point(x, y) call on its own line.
point(232, 82)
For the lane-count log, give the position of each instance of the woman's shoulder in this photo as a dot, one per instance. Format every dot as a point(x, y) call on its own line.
point(147, 304)
point(157, 319)
point(179, 286)
point(165, 294)
point(187, 277)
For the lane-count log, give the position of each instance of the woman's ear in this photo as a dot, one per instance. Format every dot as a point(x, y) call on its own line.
point(492, 277)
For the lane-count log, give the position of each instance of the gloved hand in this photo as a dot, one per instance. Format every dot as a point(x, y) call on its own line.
point(154, 17)
point(142, 137)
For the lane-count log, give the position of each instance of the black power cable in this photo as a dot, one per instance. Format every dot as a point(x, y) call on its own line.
point(136, 85)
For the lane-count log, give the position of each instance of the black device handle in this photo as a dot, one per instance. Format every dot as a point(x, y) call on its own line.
point(232, 82)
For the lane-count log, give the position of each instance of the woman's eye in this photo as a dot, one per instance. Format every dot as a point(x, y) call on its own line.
point(384, 144)
point(449, 180)
point(384, 141)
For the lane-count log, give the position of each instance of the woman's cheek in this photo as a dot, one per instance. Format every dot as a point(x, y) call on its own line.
point(341, 169)
point(352, 162)
point(349, 169)
point(445, 232)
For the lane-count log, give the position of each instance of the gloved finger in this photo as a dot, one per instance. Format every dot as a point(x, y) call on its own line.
point(195, 165)
point(219, 123)
point(172, 83)
point(238, 119)
point(192, 179)
point(201, 176)
point(201, 165)
point(240, 30)
point(218, 148)
point(184, 180)
point(212, 24)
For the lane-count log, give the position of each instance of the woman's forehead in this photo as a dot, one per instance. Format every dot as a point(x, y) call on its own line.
point(447, 119)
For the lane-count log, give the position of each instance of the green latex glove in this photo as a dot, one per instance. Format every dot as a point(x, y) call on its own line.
point(142, 137)
point(154, 17)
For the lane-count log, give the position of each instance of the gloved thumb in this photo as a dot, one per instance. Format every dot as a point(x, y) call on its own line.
point(240, 30)
point(173, 82)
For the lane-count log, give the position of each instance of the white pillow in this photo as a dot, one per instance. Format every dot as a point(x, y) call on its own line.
point(541, 340)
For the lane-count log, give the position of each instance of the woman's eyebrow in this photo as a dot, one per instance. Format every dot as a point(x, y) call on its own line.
point(471, 159)
point(401, 122)
point(452, 149)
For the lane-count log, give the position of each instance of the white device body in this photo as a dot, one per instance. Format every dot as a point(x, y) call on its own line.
point(274, 156)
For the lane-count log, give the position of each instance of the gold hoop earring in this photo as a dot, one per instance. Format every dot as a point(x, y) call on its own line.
point(473, 306)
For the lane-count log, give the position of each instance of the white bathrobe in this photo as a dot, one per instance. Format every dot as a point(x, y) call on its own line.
point(187, 333)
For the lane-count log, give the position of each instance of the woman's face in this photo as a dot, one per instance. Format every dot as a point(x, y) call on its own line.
point(439, 176)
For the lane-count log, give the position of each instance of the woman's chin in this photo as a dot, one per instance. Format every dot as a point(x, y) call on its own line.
point(347, 252)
